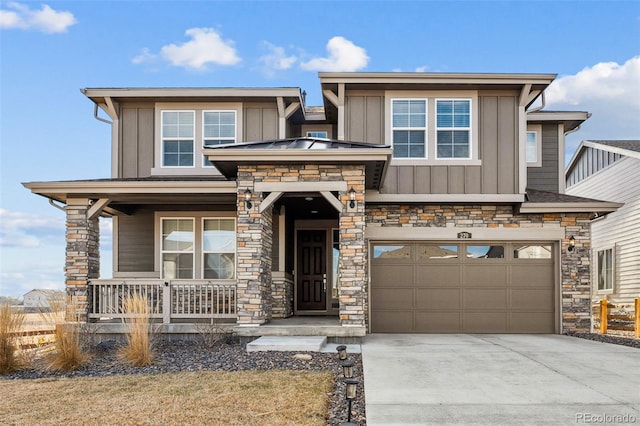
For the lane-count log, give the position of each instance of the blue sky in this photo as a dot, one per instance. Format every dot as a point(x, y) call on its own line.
point(48, 51)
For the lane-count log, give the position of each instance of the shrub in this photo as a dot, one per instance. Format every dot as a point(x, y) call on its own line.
point(138, 350)
point(11, 322)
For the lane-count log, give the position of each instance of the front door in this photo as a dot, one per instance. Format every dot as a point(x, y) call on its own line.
point(311, 271)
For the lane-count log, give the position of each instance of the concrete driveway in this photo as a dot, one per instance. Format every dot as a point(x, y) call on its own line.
point(499, 380)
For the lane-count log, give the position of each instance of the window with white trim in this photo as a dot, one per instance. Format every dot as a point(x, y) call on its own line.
point(177, 248)
point(453, 128)
point(409, 128)
point(218, 128)
point(178, 138)
point(533, 146)
point(604, 279)
point(317, 134)
point(219, 248)
point(197, 246)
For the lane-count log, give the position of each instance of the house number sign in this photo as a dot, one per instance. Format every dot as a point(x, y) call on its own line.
point(464, 235)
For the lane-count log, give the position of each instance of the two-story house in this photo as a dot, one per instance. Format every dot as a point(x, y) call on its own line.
point(408, 202)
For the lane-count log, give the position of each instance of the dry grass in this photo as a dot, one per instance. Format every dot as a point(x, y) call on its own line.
point(68, 353)
point(139, 349)
point(11, 321)
point(213, 398)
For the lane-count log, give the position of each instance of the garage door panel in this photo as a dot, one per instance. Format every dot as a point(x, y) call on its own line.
point(438, 275)
point(438, 298)
point(484, 291)
point(484, 322)
point(484, 298)
point(392, 298)
point(532, 274)
point(531, 322)
point(532, 299)
point(441, 322)
point(490, 274)
point(392, 275)
point(392, 321)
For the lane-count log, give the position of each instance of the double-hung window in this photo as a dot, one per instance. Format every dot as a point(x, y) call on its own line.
point(218, 128)
point(178, 138)
point(533, 146)
point(409, 128)
point(178, 245)
point(219, 249)
point(197, 246)
point(605, 270)
point(453, 128)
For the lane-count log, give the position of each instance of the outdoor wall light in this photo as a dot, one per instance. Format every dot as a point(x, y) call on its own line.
point(247, 199)
point(352, 388)
point(352, 197)
point(347, 369)
point(572, 244)
point(342, 352)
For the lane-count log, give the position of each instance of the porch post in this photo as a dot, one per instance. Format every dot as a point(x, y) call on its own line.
point(353, 251)
point(82, 257)
point(253, 251)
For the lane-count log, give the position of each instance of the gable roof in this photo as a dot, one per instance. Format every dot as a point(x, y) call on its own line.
point(626, 147)
point(375, 157)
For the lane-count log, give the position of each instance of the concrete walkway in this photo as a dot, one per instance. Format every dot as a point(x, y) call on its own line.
point(499, 380)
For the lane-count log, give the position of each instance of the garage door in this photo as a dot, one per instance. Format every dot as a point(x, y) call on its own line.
point(462, 287)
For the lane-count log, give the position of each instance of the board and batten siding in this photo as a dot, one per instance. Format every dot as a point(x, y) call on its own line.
point(498, 150)
point(545, 178)
point(620, 230)
point(136, 242)
point(137, 130)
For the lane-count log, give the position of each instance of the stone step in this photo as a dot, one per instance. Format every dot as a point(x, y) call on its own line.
point(287, 343)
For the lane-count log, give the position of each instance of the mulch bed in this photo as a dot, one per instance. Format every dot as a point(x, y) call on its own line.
point(608, 338)
point(176, 356)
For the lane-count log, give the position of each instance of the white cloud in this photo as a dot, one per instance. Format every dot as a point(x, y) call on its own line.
point(344, 56)
point(46, 19)
point(205, 47)
point(423, 68)
point(144, 57)
point(27, 229)
point(610, 92)
point(276, 59)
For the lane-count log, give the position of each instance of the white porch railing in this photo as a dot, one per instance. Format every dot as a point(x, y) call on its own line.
point(167, 300)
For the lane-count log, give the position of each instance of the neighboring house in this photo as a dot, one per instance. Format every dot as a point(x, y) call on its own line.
point(611, 170)
point(408, 202)
point(42, 299)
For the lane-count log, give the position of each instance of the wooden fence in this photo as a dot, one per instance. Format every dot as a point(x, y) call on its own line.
point(621, 318)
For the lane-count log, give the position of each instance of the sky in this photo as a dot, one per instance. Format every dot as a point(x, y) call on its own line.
point(49, 51)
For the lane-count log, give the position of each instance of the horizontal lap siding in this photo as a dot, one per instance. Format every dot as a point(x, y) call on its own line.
point(620, 183)
point(136, 242)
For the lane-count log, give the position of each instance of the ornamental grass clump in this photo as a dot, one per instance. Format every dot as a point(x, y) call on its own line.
point(138, 350)
point(67, 354)
point(11, 321)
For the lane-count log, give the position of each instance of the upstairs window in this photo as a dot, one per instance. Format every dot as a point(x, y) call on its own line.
point(178, 141)
point(317, 134)
point(409, 128)
point(533, 147)
point(453, 128)
point(218, 128)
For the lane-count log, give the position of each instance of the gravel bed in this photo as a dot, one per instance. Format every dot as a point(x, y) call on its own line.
point(178, 356)
point(608, 338)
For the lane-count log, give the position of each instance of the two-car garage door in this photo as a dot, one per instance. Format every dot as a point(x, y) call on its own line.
point(462, 287)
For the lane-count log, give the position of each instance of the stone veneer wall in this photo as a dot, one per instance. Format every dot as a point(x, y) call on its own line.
point(256, 249)
point(281, 295)
point(575, 265)
point(82, 258)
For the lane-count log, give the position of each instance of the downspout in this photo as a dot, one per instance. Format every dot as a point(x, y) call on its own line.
point(97, 117)
point(55, 205)
point(542, 105)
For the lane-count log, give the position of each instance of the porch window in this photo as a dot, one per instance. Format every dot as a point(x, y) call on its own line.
point(219, 249)
point(177, 248)
point(453, 128)
point(178, 138)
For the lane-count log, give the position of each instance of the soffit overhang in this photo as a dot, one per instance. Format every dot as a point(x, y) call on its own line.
point(139, 191)
point(570, 119)
point(375, 157)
